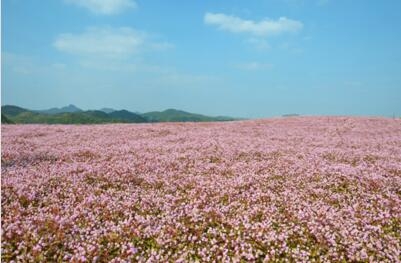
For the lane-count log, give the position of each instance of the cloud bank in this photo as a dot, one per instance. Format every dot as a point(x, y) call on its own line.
point(107, 42)
point(263, 28)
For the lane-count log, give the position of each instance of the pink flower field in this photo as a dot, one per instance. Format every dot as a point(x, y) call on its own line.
point(304, 189)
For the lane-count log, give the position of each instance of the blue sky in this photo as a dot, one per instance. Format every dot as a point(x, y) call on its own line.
point(239, 58)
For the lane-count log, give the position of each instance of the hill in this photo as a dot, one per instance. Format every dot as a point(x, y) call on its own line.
point(63, 118)
point(70, 108)
point(107, 110)
point(5, 120)
point(127, 116)
point(173, 115)
point(21, 115)
point(77, 116)
point(12, 111)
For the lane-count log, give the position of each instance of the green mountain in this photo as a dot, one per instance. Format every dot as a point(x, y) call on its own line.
point(5, 120)
point(127, 116)
point(107, 110)
point(69, 108)
point(63, 118)
point(11, 110)
point(173, 115)
point(17, 114)
point(21, 115)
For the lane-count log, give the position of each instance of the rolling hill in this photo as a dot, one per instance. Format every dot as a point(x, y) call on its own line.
point(107, 110)
point(73, 115)
point(5, 120)
point(70, 108)
point(63, 118)
point(12, 111)
point(127, 116)
point(173, 115)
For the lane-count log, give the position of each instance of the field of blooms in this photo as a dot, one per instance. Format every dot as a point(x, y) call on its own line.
point(304, 189)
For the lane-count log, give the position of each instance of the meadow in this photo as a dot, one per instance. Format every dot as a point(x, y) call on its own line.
point(299, 189)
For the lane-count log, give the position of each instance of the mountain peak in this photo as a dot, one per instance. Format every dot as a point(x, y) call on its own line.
point(72, 107)
point(107, 110)
point(69, 109)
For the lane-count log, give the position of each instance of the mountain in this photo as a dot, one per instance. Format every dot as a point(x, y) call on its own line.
point(11, 110)
point(17, 114)
point(63, 118)
point(5, 120)
point(173, 115)
point(107, 110)
point(84, 117)
point(69, 108)
point(127, 116)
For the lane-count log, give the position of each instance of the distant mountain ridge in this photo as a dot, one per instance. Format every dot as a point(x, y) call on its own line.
point(69, 108)
point(173, 115)
point(125, 115)
point(73, 115)
point(107, 110)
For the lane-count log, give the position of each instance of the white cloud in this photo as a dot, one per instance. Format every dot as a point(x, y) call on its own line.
point(263, 28)
point(253, 66)
point(104, 7)
point(107, 42)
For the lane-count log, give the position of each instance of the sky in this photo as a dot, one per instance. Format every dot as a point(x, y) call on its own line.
point(250, 59)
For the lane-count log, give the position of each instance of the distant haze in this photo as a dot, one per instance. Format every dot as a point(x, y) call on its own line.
point(247, 59)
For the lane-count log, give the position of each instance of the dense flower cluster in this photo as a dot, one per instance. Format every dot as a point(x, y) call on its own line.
point(305, 189)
